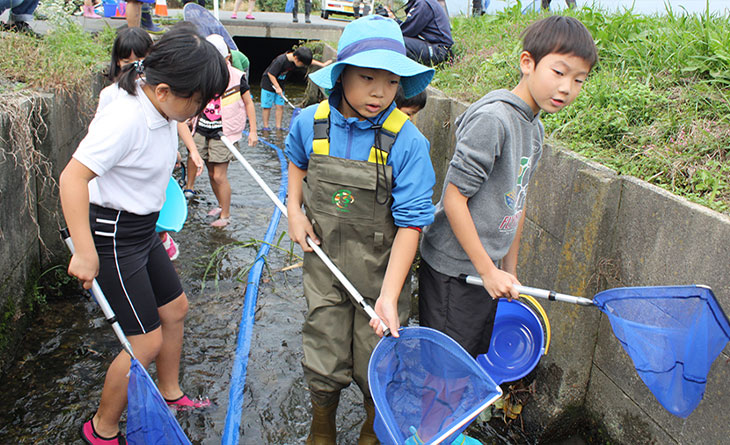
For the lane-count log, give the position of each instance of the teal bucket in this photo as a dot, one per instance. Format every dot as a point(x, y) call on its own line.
point(174, 211)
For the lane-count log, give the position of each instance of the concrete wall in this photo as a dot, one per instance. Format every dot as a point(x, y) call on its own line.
point(588, 229)
point(61, 123)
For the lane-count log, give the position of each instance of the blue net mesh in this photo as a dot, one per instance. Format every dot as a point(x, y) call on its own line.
point(672, 334)
point(207, 23)
point(149, 420)
point(424, 383)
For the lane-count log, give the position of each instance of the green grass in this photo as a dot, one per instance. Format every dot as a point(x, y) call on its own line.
point(657, 105)
point(62, 60)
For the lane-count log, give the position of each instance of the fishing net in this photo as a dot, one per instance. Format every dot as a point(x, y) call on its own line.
point(426, 388)
point(672, 334)
point(207, 23)
point(149, 420)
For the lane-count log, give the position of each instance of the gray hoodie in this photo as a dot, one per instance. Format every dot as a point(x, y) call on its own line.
point(498, 145)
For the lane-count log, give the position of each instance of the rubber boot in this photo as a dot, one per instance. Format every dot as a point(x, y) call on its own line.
point(148, 25)
point(367, 434)
point(307, 10)
point(324, 428)
point(294, 12)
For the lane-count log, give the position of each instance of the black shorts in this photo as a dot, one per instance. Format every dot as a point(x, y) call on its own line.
point(135, 273)
point(462, 311)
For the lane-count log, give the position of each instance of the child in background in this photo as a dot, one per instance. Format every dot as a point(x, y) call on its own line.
point(88, 9)
point(227, 114)
point(411, 105)
point(365, 207)
point(240, 62)
point(249, 14)
point(272, 81)
point(111, 192)
point(133, 44)
point(479, 220)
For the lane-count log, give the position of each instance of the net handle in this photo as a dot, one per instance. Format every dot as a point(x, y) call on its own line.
point(535, 292)
point(287, 100)
point(318, 250)
point(101, 300)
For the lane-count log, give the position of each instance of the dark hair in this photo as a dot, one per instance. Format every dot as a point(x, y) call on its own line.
point(183, 60)
point(418, 101)
point(560, 35)
point(304, 55)
point(128, 41)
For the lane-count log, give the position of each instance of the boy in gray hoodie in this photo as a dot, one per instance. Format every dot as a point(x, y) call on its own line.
point(479, 219)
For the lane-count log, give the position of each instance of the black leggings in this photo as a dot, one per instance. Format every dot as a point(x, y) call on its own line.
point(135, 273)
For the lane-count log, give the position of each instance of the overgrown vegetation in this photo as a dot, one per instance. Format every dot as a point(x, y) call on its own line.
point(656, 106)
point(63, 60)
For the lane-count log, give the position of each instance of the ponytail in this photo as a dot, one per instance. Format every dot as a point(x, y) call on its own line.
point(183, 60)
point(128, 41)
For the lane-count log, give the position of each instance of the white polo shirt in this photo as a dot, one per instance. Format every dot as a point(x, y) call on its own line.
point(132, 149)
point(108, 95)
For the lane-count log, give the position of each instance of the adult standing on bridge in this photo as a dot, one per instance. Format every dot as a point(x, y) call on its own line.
point(139, 15)
point(426, 31)
point(21, 13)
point(545, 4)
point(307, 11)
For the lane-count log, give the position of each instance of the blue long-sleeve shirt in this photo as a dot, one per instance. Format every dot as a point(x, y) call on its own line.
point(413, 175)
point(428, 20)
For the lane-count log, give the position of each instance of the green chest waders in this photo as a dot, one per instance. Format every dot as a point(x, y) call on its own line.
point(348, 203)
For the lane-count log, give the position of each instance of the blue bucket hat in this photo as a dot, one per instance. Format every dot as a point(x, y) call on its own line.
point(375, 42)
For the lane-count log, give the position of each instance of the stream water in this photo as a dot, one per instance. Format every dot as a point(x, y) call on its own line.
point(55, 384)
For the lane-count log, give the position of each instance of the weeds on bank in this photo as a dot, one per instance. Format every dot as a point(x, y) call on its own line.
point(657, 105)
point(63, 60)
point(216, 261)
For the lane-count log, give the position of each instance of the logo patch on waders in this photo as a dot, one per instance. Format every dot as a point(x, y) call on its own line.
point(342, 199)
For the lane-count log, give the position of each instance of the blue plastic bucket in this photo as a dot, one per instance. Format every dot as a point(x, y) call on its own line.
point(110, 10)
point(175, 209)
point(517, 344)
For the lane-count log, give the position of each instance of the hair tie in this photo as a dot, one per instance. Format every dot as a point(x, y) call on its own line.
point(138, 66)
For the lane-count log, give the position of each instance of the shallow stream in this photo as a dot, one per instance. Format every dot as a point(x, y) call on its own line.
point(55, 384)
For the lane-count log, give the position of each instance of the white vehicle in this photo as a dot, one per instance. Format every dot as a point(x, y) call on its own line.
point(344, 7)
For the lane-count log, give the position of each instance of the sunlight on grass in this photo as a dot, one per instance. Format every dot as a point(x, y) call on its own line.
point(656, 106)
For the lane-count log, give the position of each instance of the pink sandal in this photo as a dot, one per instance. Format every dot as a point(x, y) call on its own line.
point(184, 403)
point(250, 17)
point(234, 16)
point(215, 212)
point(91, 437)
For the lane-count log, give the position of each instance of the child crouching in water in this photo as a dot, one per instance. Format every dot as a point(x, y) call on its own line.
point(112, 191)
point(367, 194)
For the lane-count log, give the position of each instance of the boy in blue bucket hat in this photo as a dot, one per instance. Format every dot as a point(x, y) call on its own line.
point(363, 173)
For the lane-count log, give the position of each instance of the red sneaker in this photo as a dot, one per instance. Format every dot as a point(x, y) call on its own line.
point(91, 437)
point(184, 403)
